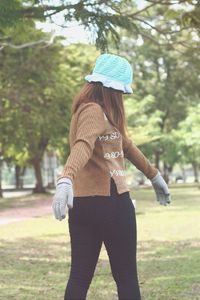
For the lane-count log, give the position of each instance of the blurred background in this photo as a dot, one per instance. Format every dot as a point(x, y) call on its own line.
point(46, 49)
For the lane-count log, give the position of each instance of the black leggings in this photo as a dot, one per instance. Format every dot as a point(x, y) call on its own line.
point(108, 219)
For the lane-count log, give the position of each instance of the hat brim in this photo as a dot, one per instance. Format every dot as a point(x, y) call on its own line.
point(110, 83)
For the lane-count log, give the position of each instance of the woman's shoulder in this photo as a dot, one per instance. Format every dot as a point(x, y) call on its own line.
point(91, 114)
point(90, 108)
point(90, 105)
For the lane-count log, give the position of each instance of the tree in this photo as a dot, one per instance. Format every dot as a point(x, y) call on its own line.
point(187, 137)
point(170, 78)
point(38, 85)
point(31, 103)
point(103, 19)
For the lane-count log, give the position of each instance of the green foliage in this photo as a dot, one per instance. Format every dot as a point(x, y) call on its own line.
point(9, 12)
point(104, 19)
point(37, 88)
point(166, 83)
point(143, 123)
point(192, 18)
point(187, 136)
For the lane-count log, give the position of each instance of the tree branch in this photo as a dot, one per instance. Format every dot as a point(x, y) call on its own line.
point(167, 2)
point(150, 25)
point(30, 44)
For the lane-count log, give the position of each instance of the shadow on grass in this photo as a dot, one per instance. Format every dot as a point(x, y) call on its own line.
point(24, 201)
point(169, 270)
point(39, 268)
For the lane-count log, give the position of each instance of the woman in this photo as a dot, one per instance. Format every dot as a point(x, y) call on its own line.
point(92, 187)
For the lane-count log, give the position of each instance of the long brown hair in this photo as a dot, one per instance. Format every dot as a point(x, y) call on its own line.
point(111, 101)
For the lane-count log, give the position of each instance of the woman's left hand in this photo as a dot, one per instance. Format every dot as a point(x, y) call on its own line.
point(161, 189)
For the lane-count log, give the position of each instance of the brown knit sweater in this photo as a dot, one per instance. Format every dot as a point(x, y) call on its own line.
point(97, 152)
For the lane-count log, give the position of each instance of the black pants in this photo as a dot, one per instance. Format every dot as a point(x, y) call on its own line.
point(108, 219)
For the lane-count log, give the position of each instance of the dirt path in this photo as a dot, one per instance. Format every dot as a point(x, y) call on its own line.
point(40, 208)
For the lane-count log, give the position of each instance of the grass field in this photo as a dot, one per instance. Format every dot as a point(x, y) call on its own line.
point(35, 254)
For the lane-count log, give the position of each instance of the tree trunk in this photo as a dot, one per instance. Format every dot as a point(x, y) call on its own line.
point(17, 176)
point(1, 192)
point(38, 175)
point(167, 171)
point(23, 170)
point(157, 159)
point(183, 174)
point(1, 165)
point(141, 180)
point(195, 170)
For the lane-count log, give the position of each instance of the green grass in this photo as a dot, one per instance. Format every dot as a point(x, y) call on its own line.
point(169, 245)
point(35, 253)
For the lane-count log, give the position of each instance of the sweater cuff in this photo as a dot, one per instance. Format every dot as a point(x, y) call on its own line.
point(65, 176)
point(153, 172)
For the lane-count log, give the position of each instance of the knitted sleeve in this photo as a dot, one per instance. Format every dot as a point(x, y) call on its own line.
point(90, 124)
point(136, 157)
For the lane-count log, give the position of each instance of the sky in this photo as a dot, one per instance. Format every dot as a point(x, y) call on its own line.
point(75, 33)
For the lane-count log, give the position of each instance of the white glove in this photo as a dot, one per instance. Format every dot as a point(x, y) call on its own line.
point(161, 189)
point(63, 198)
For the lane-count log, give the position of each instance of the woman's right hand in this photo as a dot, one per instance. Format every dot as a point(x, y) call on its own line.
point(161, 189)
point(63, 198)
